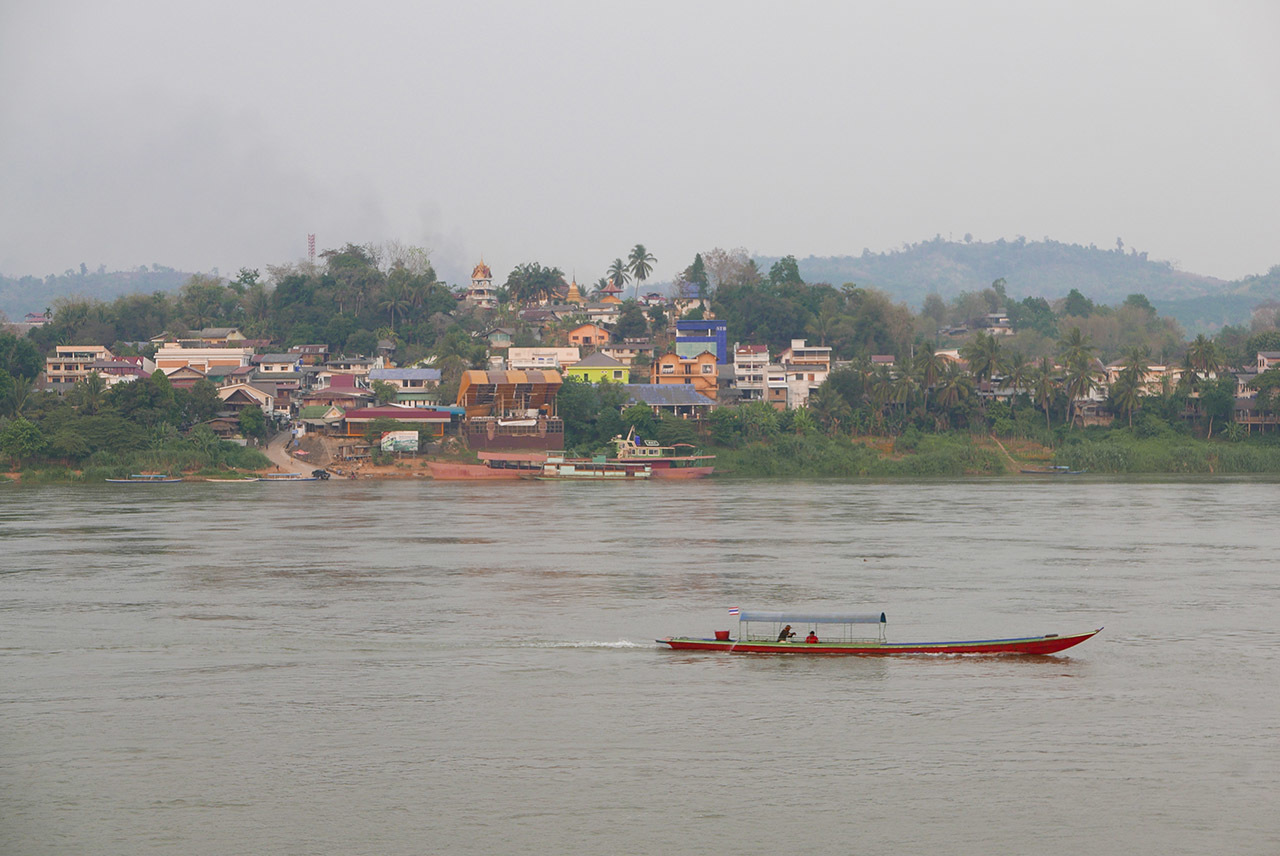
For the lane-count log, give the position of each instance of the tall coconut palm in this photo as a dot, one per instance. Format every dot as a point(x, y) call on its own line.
point(89, 393)
point(1126, 392)
point(1044, 386)
point(881, 392)
point(1018, 371)
point(983, 356)
point(640, 263)
point(954, 386)
point(1081, 380)
point(618, 274)
point(929, 366)
point(1204, 357)
point(1075, 347)
point(395, 300)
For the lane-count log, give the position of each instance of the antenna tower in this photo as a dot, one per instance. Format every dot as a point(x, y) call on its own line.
point(311, 249)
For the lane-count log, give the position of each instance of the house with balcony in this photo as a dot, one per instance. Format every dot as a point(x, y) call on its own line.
point(628, 350)
point(701, 372)
point(749, 363)
point(806, 368)
point(412, 385)
point(71, 363)
point(694, 337)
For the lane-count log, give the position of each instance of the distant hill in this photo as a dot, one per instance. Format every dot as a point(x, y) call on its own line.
point(32, 294)
point(1047, 269)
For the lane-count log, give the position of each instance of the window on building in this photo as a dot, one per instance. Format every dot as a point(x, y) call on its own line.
point(668, 369)
point(707, 368)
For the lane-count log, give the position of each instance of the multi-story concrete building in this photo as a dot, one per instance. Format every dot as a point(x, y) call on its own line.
point(806, 367)
point(71, 363)
point(749, 363)
point(700, 371)
point(694, 337)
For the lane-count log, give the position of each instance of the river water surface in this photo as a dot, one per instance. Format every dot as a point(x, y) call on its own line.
point(417, 667)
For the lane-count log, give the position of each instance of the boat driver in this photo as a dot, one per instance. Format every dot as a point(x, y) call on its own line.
point(812, 638)
point(786, 634)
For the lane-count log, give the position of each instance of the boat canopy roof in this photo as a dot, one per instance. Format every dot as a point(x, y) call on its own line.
point(813, 617)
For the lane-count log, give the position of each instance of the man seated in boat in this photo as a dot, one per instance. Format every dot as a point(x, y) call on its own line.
point(812, 638)
point(786, 634)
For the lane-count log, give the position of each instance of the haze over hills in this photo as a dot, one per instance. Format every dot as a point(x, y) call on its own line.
point(1048, 269)
point(1044, 268)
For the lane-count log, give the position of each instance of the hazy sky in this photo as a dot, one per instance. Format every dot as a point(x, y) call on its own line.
point(199, 134)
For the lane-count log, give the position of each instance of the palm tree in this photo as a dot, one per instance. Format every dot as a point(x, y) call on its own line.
point(640, 264)
point(955, 386)
point(881, 392)
point(905, 388)
point(601, 284)
point(1081, 380)
point(983, 356)
point(90, 392)
point(1076, 347)
point(19, 395)
point(394, 299)
point(618, 275)
point(1126, 391)
point(1018, 372)
point(929, 365)
point(1043, 388)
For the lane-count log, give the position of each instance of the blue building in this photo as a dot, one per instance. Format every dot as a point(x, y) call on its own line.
point(694, 337)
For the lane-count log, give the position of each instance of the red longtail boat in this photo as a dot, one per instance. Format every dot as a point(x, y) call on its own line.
point(841, 636)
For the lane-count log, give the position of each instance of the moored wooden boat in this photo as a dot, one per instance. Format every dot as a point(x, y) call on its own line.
point(840, 637)
point(287, 477)
point(147, 478)
point(680, 461)
point(592, 469)
point(1052, 471)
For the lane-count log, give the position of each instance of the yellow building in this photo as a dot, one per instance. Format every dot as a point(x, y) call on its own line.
point(598, 368)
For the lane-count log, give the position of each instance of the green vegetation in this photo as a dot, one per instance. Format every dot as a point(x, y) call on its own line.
point(955, 387)
point(143, 426)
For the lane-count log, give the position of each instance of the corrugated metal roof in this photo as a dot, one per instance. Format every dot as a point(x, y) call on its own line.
point(665, 394)
point(404, 374)
point(598, 361)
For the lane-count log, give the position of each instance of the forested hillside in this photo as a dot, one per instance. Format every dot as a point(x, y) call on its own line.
point(1049, 269)
point(33, 294)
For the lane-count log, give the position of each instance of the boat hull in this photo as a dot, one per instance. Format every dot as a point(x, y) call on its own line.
point(1027, 645)
point(681, 472)
point(473, 472)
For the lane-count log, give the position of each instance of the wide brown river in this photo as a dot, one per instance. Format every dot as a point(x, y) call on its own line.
point(422, 668)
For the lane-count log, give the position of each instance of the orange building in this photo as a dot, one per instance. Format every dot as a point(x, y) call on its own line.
point(701, 371)
point(591, 335)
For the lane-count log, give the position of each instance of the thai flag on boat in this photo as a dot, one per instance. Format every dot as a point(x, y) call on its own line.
point(733, 610)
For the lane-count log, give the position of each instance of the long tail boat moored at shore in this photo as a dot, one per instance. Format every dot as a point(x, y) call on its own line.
point(147, 478)
point(839, 636)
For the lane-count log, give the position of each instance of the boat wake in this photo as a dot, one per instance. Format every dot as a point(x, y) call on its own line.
point(621, 643)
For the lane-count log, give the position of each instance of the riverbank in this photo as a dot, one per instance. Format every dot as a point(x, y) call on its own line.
point(912, 455)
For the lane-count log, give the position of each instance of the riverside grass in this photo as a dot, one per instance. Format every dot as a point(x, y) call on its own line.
point(960, 454)
point(818, 456)
point(1119, 454)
